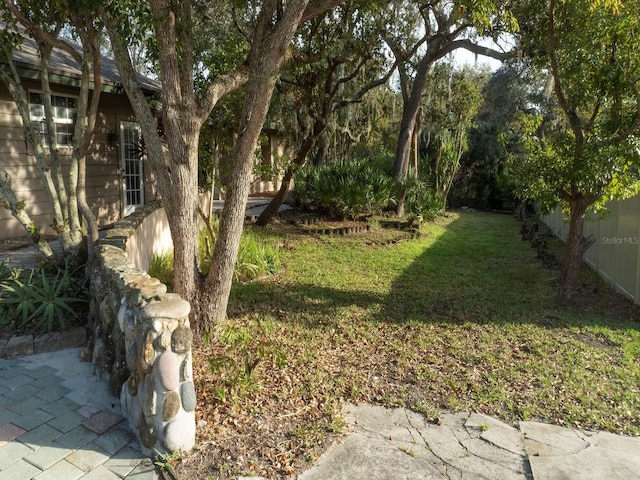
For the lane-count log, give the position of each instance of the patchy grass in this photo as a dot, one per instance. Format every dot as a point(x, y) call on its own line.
point(461, 318)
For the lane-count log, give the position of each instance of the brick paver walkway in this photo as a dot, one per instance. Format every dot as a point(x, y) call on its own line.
point(59, 422)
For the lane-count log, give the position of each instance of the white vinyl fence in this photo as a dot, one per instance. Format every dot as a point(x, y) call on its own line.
point(615, 255)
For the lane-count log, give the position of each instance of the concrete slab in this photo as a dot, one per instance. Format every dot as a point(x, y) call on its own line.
point(9, 432)
point(19, 470)
point(557, 453)
point(76, 438)
point(11, 453)
point(144, 471)
point(551, 440)
point(17, 381)
point(115, 439)
point(22, 406)
point(22, 394)
point(42, 435)
point(401, 444)
point(102, 421)
point(255, 210)
point(61, 470)
point(496, 433)
point(67, 421)
point(89, 458)
point(124, 461)
point(54, 393)
point(101, 473)
point(47, 456)
point(31, 420)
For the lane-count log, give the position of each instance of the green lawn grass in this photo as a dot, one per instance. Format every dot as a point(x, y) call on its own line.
point(461, 318)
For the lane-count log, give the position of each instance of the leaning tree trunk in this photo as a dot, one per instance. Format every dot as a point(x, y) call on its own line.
point(213, 298)
point(19, 213)
point(301, 158)
point(403, 153)
point(577, 245)
point(276, 202)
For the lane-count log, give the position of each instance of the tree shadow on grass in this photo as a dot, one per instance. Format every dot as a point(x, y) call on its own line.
point(478, 271)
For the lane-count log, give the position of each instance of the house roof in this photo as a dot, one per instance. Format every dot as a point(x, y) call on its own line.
point(63, 69)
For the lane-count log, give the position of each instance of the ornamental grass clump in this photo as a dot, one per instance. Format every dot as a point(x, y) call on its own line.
point(257, 257)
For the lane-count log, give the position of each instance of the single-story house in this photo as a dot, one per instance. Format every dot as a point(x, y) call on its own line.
point(118, 179)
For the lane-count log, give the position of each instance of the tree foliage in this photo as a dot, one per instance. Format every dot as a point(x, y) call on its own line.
point(337, 59)
point(190, 91)
point(485, 179)
point(448, 114)
point(581, 149)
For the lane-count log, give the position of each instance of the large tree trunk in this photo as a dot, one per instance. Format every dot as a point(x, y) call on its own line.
point(301, 158)
point(403, 152)
point(181, 209)
point(577, 245)
point(265, 59)
point(276, 202)
point(213, 299)
point(411, 108)
point(176, 165)
point(323, 151)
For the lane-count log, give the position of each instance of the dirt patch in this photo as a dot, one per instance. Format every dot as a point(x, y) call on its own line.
point(596, 341)
point(269, 436)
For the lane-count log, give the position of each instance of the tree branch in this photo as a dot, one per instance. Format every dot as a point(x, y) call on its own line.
point(636, 122)
point(139, 103)
point(40, 34)
point(572, 116)
point(370, 86)
point(477, 49)
point(318, 7)
point(219, 87)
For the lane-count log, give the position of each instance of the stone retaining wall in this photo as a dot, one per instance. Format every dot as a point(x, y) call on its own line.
point(141, 344)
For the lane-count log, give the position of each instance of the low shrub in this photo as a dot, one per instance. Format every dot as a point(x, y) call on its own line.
point(39, 301)
point(161, 267)
point(345, 189)
point(257, 257)
point(421, 200)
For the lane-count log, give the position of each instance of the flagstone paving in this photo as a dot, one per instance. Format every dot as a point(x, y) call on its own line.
point(58, 421)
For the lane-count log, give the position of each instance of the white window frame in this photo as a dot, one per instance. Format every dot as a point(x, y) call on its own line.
point(69, 118)
point(132, 168)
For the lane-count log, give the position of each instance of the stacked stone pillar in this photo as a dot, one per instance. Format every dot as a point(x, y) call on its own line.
point(159, 397)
